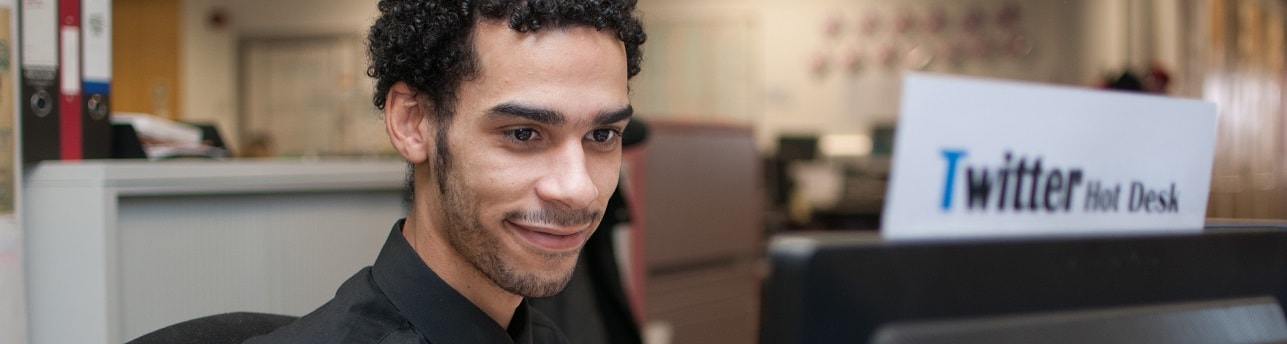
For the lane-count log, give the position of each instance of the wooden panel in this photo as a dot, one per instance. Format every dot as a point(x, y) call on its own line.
point(702, 199)
point(712, 305)
point(697, 196)
point(145, 54)
point(1245, 76)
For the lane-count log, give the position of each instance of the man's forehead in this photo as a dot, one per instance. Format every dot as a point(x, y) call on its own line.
point(578, 72)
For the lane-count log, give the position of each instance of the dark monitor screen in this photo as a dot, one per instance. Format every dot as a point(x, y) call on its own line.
point(797, 148)
point(854, 288)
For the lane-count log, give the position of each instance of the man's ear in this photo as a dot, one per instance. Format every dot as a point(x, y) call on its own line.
point(407, 122)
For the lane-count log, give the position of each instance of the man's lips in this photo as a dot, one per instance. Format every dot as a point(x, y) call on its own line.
point(552, 239)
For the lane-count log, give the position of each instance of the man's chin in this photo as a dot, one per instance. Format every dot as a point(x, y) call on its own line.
point(538, 286)
point(555, 274)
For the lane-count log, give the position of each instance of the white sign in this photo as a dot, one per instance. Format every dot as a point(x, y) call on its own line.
point(977, 158)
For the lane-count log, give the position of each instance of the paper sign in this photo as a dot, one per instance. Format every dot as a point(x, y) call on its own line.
point(975, 158)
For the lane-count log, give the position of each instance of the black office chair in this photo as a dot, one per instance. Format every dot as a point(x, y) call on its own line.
point(227, 328)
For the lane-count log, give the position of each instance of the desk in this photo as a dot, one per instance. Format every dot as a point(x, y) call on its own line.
point(116, 249)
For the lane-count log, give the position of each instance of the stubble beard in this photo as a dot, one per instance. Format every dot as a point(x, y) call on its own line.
point(481, 248)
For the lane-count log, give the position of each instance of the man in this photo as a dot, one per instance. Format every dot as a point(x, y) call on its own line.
point(510, 114)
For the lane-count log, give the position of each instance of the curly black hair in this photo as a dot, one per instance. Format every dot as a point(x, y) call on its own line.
point(426, 43)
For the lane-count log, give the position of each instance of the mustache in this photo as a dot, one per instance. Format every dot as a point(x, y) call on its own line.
point(554, 216)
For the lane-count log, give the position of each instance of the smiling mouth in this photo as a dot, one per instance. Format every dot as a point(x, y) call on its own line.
point(551, 239)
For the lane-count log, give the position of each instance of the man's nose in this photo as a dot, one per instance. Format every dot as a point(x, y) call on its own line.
point(567, 181)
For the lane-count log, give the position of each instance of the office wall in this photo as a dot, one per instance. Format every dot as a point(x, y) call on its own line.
point(209, 52)
point(1073, 42)
point(760, 71)
point(208, 68)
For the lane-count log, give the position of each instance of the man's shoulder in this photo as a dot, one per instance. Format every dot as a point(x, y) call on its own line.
point(359, 313)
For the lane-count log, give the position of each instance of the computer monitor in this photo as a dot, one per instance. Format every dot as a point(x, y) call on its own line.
point(797, 148)
point(1226, 286)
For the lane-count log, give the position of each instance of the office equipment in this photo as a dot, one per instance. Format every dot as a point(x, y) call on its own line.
point(852, 288)
point(65, 116)
point(210, 136)
point(159, 130)
point(153, 243)
point(126, 143)
point(797, 148)
point(96, 78)
point(137, 135)
point(40, 114)
point(70, 123)
point(791, 148)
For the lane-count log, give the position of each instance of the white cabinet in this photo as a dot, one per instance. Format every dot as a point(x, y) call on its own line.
point(116, 249)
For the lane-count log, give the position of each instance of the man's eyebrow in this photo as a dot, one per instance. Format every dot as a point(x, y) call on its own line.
point(614, 116)
point(543, 116)
point(550, 117)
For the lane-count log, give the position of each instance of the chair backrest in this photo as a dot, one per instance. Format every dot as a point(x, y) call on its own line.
point(229, 328)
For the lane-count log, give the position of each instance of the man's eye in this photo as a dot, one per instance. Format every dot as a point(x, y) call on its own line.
point(602, 135)
point(522, 134)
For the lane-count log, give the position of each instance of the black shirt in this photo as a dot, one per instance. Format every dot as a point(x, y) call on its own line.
point(400, 300)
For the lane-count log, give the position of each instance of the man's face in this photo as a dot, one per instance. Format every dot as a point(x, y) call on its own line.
point(535, 152)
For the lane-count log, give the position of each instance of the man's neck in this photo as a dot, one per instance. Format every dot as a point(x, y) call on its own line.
point(422, 232)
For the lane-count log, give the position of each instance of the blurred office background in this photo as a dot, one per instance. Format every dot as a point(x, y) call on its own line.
point(803, 94)
point(814, 73)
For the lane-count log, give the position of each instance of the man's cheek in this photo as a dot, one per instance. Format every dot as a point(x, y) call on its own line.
point(606, 181)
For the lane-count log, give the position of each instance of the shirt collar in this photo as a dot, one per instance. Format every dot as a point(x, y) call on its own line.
point(434, 309)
